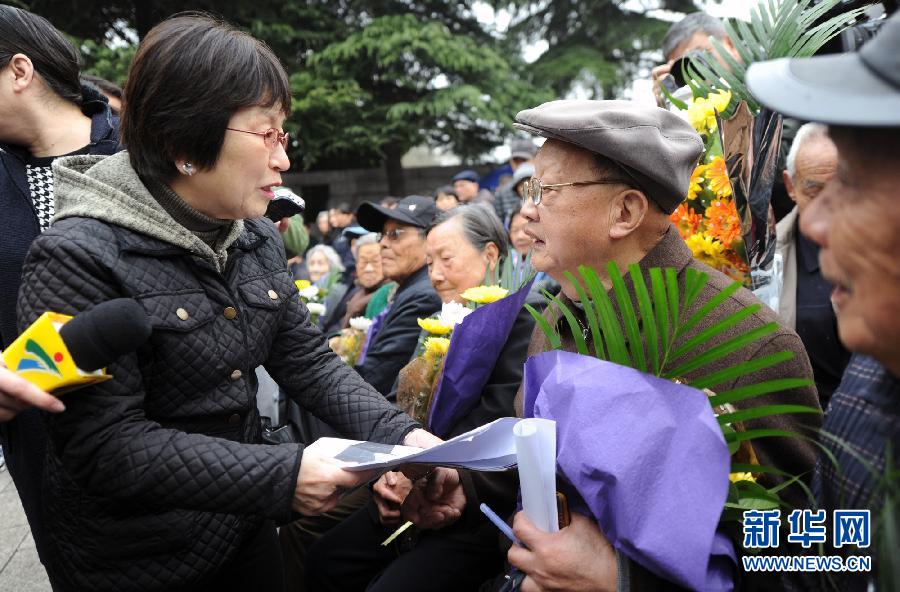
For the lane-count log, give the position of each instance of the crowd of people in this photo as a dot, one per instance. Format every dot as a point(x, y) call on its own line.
point(161, 479)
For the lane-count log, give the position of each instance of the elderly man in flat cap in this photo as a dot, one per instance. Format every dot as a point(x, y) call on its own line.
point(604, 184)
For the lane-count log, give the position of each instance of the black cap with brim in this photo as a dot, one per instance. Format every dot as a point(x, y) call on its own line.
point(855, 89)
point(414, 210)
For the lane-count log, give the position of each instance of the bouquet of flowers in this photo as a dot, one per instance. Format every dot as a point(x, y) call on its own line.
point(461, 347)
point(630, 374)
point(312, 296)
point(747, 137)
point(348, 345)
point(708, 219)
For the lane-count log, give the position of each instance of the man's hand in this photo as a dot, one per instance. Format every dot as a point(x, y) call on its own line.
point(578, 558)
point(658, 73)
point(320, 483)
point(390, 491)
point(17, 394)
point(437, 501)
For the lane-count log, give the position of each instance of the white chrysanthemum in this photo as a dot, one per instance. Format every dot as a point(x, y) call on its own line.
point(309, 293)
point(360, 324)
point(452, 313)
point(316, 308)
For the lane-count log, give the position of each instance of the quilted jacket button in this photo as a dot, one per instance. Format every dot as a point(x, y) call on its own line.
point(273, 294)
point(182, 314)
point(234, 419)
point(236, 375)
point(230, 312)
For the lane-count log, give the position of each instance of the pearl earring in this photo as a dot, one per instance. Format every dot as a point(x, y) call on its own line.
point(188, 169)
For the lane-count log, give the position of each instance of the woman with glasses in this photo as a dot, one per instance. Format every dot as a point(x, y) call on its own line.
point(156, 479)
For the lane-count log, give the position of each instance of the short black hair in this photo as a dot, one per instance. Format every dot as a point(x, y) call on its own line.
point(343, 207)
point(55, 59)
point(191, 73)
point(448, 189)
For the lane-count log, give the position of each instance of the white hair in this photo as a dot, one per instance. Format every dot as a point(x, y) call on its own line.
point(366, 239)
point(807, 132)
point(334, 260)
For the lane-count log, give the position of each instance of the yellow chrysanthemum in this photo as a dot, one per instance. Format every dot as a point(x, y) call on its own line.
point(435, 326)
point(302, 284)
point(707, 249)
point(436, 347)
point(717, 176)
point(720, 100)
point(696, 185)
point(735, 477)
point(485, 294)
point(702, 116)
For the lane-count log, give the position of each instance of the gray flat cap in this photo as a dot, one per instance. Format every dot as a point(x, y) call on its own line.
point(658, 149)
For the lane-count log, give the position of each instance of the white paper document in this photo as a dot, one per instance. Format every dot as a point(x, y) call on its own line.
point(491, 447)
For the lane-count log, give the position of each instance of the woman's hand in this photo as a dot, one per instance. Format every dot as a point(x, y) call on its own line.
point(321, 481)
point(390, 491)
point(17, 394)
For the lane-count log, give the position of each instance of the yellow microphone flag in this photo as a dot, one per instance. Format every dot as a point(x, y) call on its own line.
point(40, 356)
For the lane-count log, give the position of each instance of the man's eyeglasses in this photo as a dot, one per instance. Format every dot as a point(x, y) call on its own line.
point(270, 136)
point(533, 189)
point(394, 235)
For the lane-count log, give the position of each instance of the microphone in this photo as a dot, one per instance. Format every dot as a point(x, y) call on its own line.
point(59, 352)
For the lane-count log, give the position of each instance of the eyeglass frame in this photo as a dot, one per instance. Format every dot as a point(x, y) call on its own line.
point(395, 234)
point(280, 137)
point(536, 198)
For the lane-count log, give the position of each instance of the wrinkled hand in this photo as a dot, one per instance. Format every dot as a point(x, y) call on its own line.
point(437, 501)
point(389, 493)
point(320, 482)
point(419, 439)
point(578, 558)
point(17, 394)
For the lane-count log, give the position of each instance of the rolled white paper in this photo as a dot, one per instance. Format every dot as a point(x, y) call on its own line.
point(536, 452)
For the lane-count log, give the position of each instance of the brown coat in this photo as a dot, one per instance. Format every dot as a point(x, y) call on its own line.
point(793, 455)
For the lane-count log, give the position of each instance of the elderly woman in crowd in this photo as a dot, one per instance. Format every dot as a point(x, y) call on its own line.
point(462, 245)
point(155, 479)
point(321, 261)
point(369, 281)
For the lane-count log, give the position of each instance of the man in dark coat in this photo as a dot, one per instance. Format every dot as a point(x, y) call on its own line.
point(403, 261)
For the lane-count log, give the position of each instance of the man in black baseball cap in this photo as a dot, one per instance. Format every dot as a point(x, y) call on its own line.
point(402, 261)
point(855, 220)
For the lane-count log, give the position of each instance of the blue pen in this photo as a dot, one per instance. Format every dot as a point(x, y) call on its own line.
point(499, 523)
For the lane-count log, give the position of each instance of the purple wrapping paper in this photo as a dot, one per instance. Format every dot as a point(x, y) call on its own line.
point(475, 345)
point(370, 335)
point(647, 457)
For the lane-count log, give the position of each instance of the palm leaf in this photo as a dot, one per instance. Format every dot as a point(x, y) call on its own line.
point(754, 390)
point(574, 327)
point(610, 328)
point(776, 29)
point(741, 369)
point(551, 334)
point(721, 350)
point(626, 309)
point(646, 309)
point(590, 313)
point(764, 411)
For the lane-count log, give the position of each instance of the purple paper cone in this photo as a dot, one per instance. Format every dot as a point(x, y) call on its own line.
point(647, 457)
point(475, 345)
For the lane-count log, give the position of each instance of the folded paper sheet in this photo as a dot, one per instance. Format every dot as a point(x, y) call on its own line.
point(490, 447)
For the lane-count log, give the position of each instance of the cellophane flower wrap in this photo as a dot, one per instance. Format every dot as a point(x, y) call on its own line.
point(474, 349)
point(349, 343)
point(654, 474)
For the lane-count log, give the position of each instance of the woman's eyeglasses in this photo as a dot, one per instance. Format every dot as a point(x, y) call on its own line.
point(533, 188)
point(271, 136)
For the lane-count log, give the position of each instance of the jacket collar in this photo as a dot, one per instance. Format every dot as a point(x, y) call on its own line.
point(419, 276)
